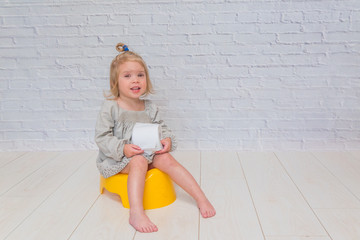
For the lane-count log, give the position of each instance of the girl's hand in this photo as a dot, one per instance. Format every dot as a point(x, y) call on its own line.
point(132, 150)
point(166, 142)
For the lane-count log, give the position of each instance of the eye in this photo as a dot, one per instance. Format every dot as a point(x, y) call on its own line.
point(127, 75)
point(141, 75)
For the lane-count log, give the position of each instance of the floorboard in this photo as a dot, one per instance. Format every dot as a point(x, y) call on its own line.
point(297, 238)
point(257, 196)
point(342, 224)
point(106, 220)
point(17, 170)
point(6, 157)
point(280, 206)
point(320, 188)
point(223, 181)
point(21, 200)
point(345, 167)
point(58, 216)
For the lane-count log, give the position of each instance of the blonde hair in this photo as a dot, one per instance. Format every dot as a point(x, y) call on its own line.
point(125, 56)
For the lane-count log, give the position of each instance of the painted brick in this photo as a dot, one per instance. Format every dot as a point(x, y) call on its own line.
point(244, 75)
point(280, 28)
point(298, 38)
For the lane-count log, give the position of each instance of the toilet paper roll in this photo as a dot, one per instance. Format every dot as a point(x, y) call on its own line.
point(147, 136)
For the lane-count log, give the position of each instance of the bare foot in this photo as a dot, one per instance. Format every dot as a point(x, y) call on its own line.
point(142, 223)
point(206, 209)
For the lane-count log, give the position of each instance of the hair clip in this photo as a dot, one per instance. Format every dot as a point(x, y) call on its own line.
point(125, 48)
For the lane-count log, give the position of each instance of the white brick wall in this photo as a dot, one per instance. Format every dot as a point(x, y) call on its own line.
point(247, 75)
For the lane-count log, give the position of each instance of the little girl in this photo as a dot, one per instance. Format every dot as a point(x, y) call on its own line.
point(129, 83)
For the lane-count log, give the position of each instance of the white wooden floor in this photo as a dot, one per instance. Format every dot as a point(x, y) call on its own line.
point(257, 195)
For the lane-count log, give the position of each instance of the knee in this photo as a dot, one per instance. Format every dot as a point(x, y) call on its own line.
point(138, 162)
point(164, 161)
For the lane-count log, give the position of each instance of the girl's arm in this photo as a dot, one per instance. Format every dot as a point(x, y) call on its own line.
point(108, 144)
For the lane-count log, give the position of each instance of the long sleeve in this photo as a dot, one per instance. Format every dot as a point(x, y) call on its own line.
point(108, 144)
point(165, 130)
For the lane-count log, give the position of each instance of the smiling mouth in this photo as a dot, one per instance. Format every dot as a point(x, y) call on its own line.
point(135, 90)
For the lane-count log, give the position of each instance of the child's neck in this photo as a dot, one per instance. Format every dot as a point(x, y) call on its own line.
point(131, 104)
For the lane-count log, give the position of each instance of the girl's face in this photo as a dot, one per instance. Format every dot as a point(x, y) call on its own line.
point(132, 80)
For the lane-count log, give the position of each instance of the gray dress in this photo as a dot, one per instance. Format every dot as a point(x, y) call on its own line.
point(114, 129)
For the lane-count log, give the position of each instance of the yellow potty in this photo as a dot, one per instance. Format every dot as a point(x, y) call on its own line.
point(159, 190)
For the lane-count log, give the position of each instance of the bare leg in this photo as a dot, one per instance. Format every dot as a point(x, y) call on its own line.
point(137, 169)
point(166, 163)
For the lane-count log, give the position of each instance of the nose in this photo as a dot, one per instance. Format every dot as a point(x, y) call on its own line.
point(135, 79)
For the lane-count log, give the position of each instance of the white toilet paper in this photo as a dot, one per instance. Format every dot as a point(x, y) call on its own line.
point(147, 136)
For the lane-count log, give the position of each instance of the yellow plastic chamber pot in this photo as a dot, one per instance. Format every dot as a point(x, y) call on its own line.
point(159, 190)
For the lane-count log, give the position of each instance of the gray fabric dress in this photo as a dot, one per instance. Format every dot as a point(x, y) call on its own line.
point(114, 129)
